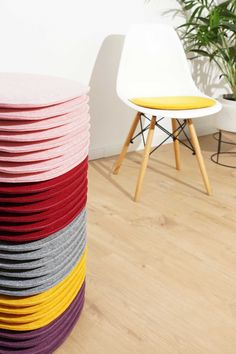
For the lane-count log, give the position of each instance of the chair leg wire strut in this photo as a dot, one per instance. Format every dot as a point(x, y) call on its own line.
point(178, 127)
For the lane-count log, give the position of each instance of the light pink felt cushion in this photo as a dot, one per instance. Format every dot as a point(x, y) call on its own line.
point(47, 154)
point(19, 90)
point(31, 125)
point(69, 163)
point(28, 147)
point(46, 134)
point(47, 164)
point(43, 112)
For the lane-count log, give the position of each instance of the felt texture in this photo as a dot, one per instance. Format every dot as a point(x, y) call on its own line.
point(33, 302)
point(29, 251)
point(50, 133)
point(44, 140)
point(39, 197)
point(29, 90)
point(48, 264)
point(62, 166)
point(17, 214)
point(33, 114)
point(34, 188)
point(43, 265)
point(39, 280)
point(53, 303)
point(43, 124)
point(47, 338)
point(43, 155)
point(31, 146)
point(56, 200)
point(47, 163)
point(65, 218)
point(174, 102)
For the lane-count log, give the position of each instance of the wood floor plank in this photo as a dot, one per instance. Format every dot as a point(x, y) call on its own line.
point(161, 274)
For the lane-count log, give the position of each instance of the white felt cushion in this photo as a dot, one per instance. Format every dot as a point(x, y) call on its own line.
point(19, 90)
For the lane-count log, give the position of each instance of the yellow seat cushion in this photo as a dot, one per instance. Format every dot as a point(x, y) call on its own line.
point(173, 102)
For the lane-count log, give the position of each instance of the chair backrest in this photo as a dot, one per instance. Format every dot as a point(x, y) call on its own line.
point(153, 63)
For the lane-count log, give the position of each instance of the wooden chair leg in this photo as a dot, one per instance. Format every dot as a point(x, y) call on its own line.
point(198, 152)
point(124, 150)
point(176, 143)
point(145, 159)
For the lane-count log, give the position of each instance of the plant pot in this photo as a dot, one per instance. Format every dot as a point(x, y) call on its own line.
point(226, 119)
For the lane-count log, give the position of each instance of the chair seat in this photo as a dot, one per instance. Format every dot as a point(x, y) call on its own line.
point(174, 102)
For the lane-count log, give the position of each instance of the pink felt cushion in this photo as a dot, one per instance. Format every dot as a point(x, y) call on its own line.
point(43, 112)
point(31, 125)
point(30, 90)
point(67, 147)
point(28, 147)
point(46, 134)
point(47, 164)
point(64, 166)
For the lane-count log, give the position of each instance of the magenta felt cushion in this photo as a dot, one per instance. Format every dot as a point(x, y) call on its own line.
point(30, 90)
point(42, 124)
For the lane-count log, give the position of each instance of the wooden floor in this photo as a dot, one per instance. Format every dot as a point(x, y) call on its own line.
point(162, 273)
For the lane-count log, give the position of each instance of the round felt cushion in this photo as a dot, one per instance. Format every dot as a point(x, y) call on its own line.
point(29, 251)
point(63, 165)
point(47, 306)
point(47, 162)
point(56, 121)
point(45, 155)
point(34, 114)
point(41, 279)
point(50, 133)
point(28, 90)
point(21, 201)
point(174, 102)
point(47, 338)
point(64, 218)
point(17, 189)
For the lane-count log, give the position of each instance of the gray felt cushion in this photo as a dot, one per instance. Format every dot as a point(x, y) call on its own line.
point(44, 246)
point(34, 259)
point(45, 267)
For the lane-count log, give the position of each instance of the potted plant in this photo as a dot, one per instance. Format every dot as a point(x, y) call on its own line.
point(210, 31)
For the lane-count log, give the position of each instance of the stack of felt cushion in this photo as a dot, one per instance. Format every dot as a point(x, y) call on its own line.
point(44, 140)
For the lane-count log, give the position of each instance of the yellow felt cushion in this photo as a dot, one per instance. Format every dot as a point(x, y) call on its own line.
point(173, 102)
point(26, 314)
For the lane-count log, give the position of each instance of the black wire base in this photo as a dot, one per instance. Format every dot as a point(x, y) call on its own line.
point(174, 135)
point(216, 156)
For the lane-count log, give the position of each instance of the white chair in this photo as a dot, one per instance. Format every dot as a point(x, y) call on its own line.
point(155, 80)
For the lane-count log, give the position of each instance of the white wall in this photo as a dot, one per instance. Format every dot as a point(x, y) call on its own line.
point(82, 40)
